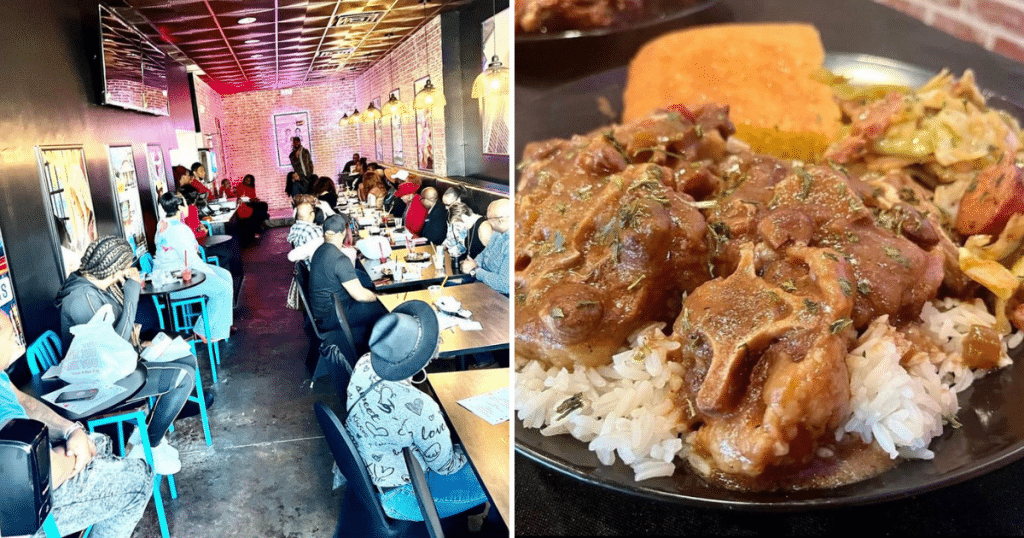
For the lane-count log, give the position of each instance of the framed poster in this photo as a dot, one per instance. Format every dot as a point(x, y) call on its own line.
point(378, 134)
point(157, 173)
point(494, 109)
point(9, 304)
point(424, 136)
point(67, 194)
point(397, 155)
point(286, 127)
point(124, 181)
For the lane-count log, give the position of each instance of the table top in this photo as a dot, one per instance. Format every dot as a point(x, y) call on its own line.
point(178, 285)
point(489, 307)
point(429, 274)
point(133, 383)
point(487, 446)
point(550, 503)
point(214, 240)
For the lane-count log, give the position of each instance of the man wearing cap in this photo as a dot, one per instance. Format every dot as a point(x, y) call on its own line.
point(332, 273)
point(415, 212)
point(491, 266)
point(386, 414)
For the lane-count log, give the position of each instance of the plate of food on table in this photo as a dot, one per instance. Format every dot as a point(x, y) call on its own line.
point(782, 278)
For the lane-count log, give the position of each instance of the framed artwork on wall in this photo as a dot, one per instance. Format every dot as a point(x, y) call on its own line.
point(494, 109)
point(378, 134)
point(68, 197)
point(157, 173)
point(424, 136)
point(286, 127)
point(9, 303)
point(397, 155)
point(125, 183)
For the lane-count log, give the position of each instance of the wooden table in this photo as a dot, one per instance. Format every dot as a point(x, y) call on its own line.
point(489, 307)
point(487, 446)
point(429, 274)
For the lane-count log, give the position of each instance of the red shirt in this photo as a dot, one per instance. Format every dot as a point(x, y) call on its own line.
point(416, 215)
point(244, 211)
point(199, 186)
point(228, 192)
point(192, 220)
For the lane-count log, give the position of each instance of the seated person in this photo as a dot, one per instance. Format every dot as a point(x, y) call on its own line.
point(89, 485)
point(175, 245)
point(226, 190)
point(332, 272)
point(435, 225)
point(491, 266)
point(474, 228)
point(251, 214)
point(191, 196)
point(415, 212)
point(197, 178)
point(455, 237)
point(401, 345)
point(355, 174)
point(375, 191)
point(106, 277)
point(305, 229)
point(324, 190)
point(294, 184)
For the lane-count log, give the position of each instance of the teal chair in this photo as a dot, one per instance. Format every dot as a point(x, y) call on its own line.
point(146, 263)
point(212, 260)
point(184, 313)
point(45, 353)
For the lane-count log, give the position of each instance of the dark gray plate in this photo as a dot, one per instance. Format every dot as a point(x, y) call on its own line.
point(992, 410)
point(657, 16)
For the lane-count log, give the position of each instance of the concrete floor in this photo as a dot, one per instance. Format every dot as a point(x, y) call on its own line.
point(268, 473)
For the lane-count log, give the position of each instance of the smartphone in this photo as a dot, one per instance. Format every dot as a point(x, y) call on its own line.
point(77, 395)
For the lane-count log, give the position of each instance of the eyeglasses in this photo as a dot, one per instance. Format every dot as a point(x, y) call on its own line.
point(496, 218)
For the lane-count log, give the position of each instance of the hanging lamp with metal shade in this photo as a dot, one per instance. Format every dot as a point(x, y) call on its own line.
point(394, 107)
point(343, 121)
point(492, 81)
point(355, 118)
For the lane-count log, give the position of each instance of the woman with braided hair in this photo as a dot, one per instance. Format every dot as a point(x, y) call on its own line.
point(106, 277)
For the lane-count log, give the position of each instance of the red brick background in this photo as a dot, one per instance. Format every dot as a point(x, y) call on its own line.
point(997, 25)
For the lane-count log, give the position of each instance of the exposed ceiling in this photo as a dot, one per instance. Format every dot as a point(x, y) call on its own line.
point(291, 42)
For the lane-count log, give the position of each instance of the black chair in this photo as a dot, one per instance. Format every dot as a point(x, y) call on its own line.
point(423, 497)
point(302, 278)
point(361, 512)
point(346, 342)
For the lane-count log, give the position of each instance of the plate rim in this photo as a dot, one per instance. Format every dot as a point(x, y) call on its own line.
point(567, 35)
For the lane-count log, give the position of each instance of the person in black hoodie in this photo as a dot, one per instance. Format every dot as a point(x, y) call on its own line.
point(106, 277)
point(435, 227)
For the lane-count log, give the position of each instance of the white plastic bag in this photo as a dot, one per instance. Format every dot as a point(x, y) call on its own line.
point(97, 353)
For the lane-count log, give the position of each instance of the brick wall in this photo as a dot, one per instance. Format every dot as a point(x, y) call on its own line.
point(997, 25)
point(248, 130)
point(211, 109)
point(400, 69)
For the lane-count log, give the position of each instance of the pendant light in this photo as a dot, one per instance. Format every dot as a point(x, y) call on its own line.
point(394, 106)
point(429, 97)
point(372, 114)
point(343, 121)
point(355, 118)
point(494, 80)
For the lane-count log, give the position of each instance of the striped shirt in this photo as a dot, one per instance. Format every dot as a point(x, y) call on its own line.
point(493, 263)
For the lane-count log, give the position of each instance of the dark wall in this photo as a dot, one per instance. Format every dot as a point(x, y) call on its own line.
point(462, 58)
point(50, 96)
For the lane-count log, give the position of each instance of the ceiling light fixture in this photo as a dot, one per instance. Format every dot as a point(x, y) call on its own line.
point(494, 79)
point(429, 97)
point(247, 20)
point(372, 113)
point(343, 121)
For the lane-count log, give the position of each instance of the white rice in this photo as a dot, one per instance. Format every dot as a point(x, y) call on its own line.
point(626, 409)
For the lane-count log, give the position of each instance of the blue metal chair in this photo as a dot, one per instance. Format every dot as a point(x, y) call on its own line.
point(146, 263)
point(213, 260)
point(184, 313)
point(45, 353)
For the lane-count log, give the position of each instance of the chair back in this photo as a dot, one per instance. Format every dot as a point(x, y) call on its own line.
point(341, 371)
point(44, 353)
point(423, 497)
point(146, 263)
point(362, 514)
point(302, 277)
point(347, 343)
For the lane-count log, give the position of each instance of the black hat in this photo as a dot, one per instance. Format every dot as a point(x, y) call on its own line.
point(403, 341)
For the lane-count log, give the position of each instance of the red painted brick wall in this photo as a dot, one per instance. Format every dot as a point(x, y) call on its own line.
point(248, 129)
point(997, 25)
point(410, 61)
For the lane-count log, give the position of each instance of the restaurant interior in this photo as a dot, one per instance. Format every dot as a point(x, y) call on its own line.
point(124, 119)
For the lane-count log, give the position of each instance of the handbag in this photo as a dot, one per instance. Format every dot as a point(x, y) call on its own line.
point(294, 301)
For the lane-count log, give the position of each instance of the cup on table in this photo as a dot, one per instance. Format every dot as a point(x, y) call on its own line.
point(398, 222)
point(435, 291)
point(439, 258)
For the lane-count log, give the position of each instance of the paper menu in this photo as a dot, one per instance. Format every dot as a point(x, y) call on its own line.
point(491, 406)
